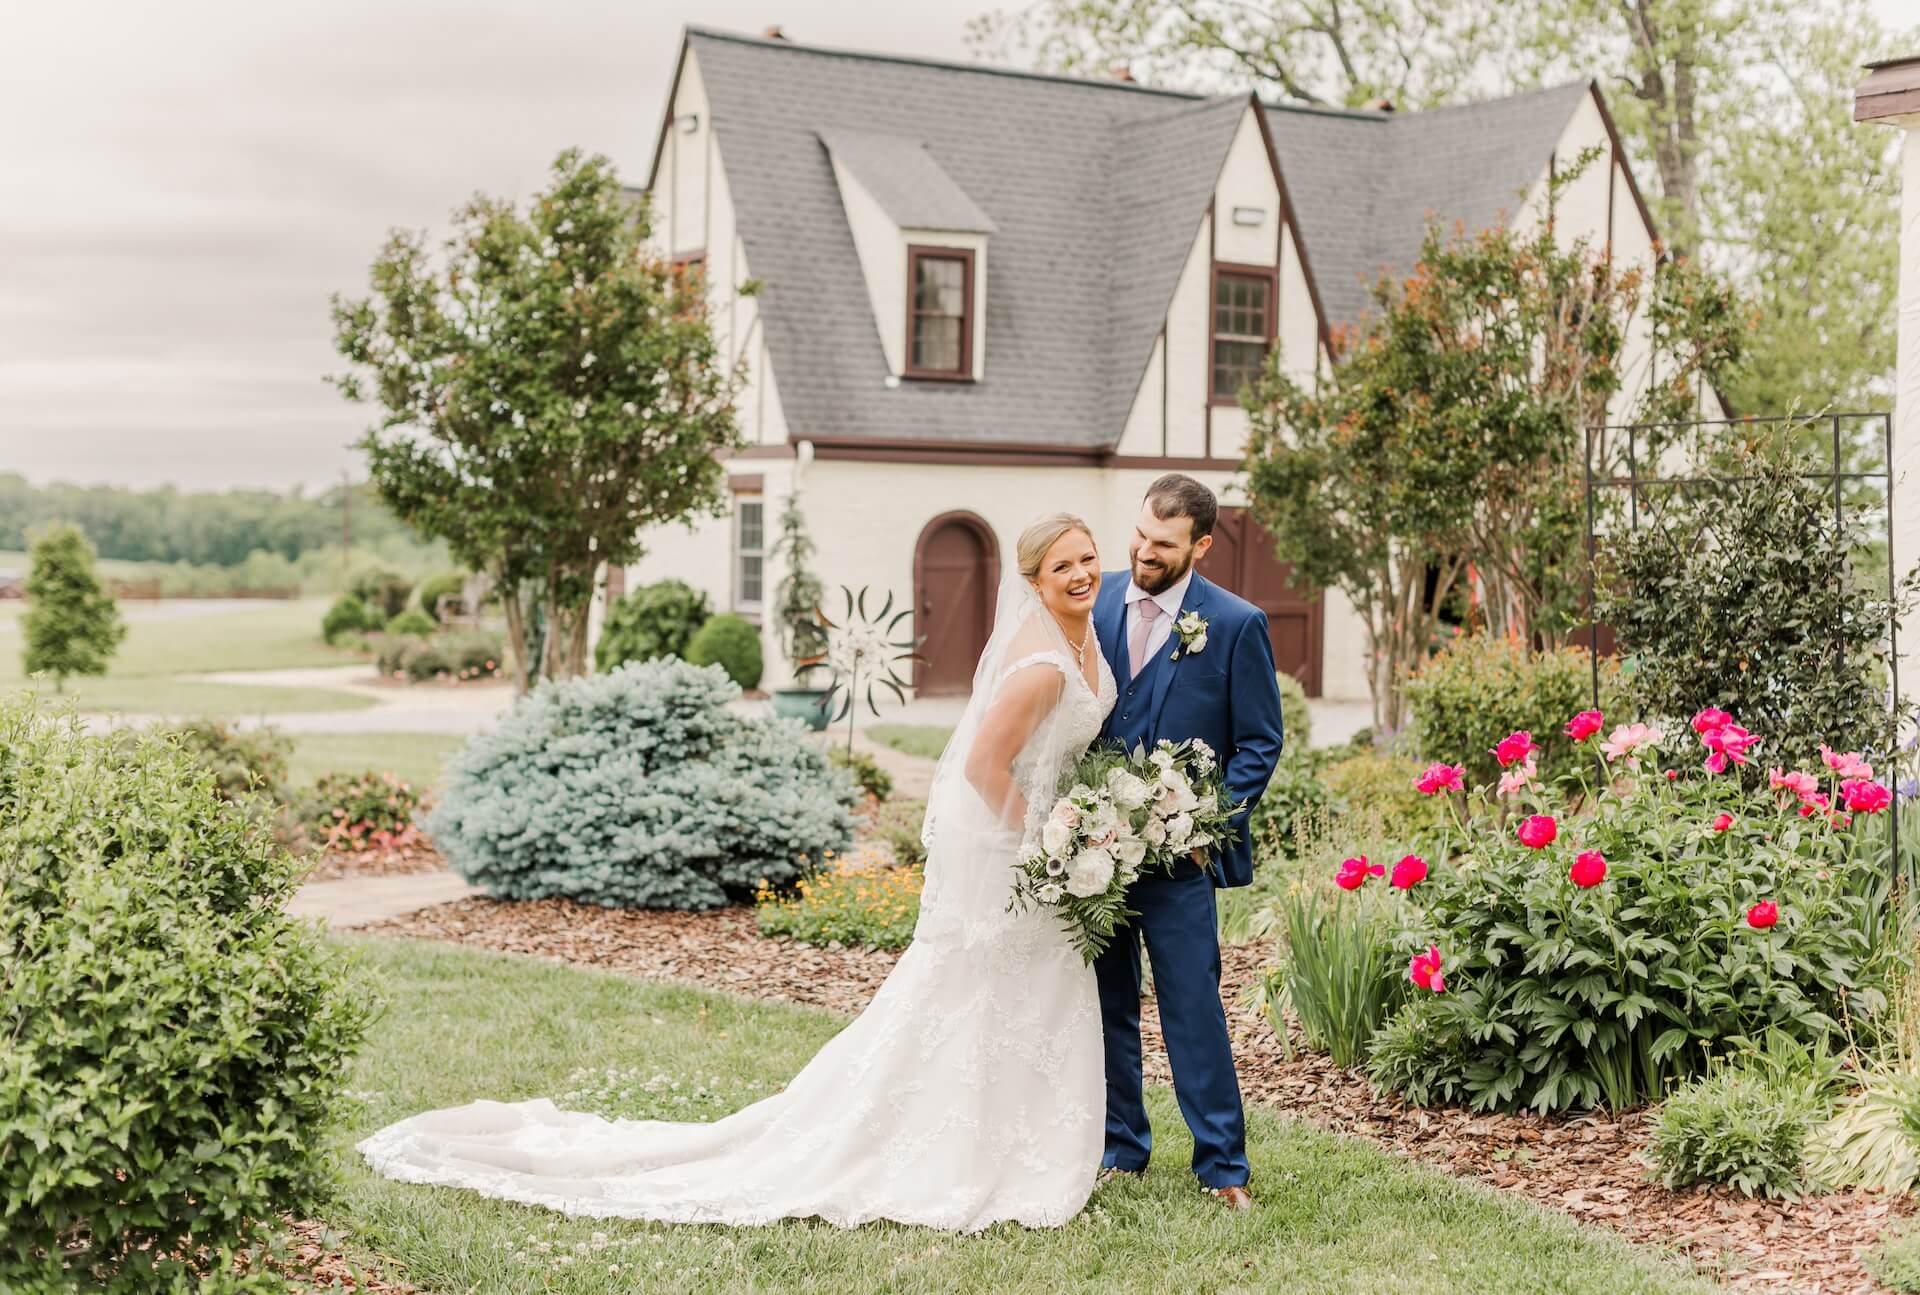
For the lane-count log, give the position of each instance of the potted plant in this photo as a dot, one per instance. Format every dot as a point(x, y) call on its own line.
point(803, 635)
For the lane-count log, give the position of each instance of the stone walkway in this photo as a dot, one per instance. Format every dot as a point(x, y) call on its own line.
point(356, 901)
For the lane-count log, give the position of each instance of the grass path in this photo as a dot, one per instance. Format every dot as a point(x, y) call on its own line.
point(417, 757)
point(1336, 1215)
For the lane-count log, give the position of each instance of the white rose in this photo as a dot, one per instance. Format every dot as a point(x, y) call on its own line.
point(1065, 814)
point(1162, 757)
point(1155, 831)
point(1051, 893)
point(1056, 837)
point(1129, 791)
point(1090, 873)
point(1130, 851)
point(1198, 643)
point(1179, 828)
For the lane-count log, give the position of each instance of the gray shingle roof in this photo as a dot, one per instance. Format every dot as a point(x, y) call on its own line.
point(1365, 183)
point(1094, 191)
point(905, 180)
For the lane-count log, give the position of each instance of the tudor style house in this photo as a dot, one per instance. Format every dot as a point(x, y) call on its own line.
point(989, 294)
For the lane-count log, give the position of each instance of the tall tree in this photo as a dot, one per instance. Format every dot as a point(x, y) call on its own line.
point(72, 626)
point(550, 388)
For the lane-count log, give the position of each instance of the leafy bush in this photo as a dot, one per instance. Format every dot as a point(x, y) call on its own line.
point(348, 615)
point(1380, 789)
point(898, 823)
point(1701, 931)
point(72, 626)
point(868, 776)
point(176, 1045)
point(242, 761)
point(354, 811)
point(1895, 1261)
point(1296, 717)
point(1736, 1127)
point(412, 621)
point(1749, 597)
point(1478, 688)
point(654, 620)
point(1336, 971)
point(1872, 1138)
point(383, 590)
point(876, 907)
point(448, 584)
point(729, 642)
point(473, 653)
point(639, 788)
point(403, 656)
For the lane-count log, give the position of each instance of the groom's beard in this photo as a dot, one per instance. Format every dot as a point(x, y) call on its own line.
point(1156, 576)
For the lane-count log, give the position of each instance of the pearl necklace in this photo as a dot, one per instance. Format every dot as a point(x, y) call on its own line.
point(1080, 648)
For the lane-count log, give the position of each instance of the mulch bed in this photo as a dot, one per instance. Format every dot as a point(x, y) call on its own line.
point(1592, 1166)
point(375, 861)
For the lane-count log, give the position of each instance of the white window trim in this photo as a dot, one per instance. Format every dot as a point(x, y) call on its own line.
point(740, 602)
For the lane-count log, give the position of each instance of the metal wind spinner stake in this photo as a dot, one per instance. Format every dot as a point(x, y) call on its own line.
point(863, 646)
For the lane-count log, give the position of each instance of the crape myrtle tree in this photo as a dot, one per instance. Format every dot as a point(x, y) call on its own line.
point(549, 388)
point(1447, 442)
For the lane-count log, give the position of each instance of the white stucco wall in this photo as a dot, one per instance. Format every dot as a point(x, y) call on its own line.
point(1906, 416)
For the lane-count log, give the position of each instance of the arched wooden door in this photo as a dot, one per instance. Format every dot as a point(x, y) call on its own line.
point(956, 574)
point(1242, 560)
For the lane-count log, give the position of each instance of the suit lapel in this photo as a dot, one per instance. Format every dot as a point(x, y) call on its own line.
point(1108, 621)
point(1195, 601)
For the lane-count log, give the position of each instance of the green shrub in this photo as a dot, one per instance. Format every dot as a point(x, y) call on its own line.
point(384, 591)
point(868, 776)
point(1295, 793)
point(412, 621)
point(876, 907)
point(898, 823)
point(654, 620)
point(354, 810)
point(176, 1046)
point(448, 584)
point(1478, 688)
point(473, 653)
point(1895, 1261)
point(1421, 1053)
point(639, 788)
point(72, 626)
point(1739, 1128)
point(1379, 789)
point(348, 615)
point(403, 656)
point(1337, 970)
point(1561, 996)
point(729, 642)
point(1296, 718)
point(242, 761)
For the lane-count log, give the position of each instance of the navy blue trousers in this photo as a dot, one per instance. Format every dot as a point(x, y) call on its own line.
point(1178, 924)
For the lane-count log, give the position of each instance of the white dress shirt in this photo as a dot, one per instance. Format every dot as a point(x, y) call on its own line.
point(1169, 599)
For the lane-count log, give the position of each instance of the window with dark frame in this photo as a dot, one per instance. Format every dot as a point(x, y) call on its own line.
point(939, 312)
point(749, 551)
point(1242, 330)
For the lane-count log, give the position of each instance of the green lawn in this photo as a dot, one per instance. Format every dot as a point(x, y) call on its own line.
point(169, 639)
point(924, 740)
point(1335, 1214)
point(416, 757)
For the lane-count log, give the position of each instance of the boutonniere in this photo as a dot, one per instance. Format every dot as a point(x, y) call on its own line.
point(1192, 629)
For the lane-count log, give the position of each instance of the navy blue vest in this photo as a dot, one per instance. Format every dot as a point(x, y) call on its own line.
point(1131, 721)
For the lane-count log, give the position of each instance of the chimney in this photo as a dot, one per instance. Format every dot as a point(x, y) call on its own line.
point(1382, 104)
point(773, 33)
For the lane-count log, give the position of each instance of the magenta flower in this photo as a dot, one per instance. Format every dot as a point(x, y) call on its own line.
point(1407, 872)
point(1514, 747)
point(1538, 831)
point(1424, 970)
point(1589, 869)
point(1814, 803)
point(1865, 797)
point(1710, 719)
point(1722, 821)
point(1584, 725)
point(1731, 741)
point(1353, 873)
point(1762, 915)
point(1440, 777)
point(1848, 764)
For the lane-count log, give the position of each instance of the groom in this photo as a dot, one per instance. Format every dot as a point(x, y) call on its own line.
point(1192, 661)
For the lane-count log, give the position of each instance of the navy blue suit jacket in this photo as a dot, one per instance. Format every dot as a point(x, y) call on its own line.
point(1226, 695)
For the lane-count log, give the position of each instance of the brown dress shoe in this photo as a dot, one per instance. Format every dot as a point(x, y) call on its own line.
point(1234, 1198)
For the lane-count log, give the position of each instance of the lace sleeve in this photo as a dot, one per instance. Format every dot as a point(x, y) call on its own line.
point(1055, 659)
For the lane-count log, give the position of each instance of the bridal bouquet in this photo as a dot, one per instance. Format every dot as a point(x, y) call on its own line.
point(1118, 814)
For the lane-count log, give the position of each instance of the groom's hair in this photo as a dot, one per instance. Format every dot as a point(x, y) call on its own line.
point(1179, 495)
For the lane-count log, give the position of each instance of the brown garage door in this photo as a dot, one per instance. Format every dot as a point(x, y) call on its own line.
point(1242, 559)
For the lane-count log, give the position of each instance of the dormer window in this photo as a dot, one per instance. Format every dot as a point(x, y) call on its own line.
point(1242, 328)
point(939, 313)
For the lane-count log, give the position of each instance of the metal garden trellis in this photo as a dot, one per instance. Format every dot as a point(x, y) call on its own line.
point(1638, 435)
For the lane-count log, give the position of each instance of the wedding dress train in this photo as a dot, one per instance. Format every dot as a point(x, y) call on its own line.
point(970, 1091)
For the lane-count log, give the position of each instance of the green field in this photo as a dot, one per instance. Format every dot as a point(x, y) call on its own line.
point(168, 639)
point(416, 757)
point(1335, 1214)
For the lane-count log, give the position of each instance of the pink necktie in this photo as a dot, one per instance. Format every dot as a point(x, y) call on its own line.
point(1142, 630)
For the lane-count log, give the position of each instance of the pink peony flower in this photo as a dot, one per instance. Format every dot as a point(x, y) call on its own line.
point(1584, 725)
point(1440, 777)
point(1514, 779)
point(1353, 873)
point(1407, 872)
point(1710, 719)
point(1514, 747)
point(1865, 797)
point(1731, 741)
point(1814, 803)
point(1723, 821)
point(1424, 970)
point(1717, 762)
point(1589, 869)
point(1800, 784)
point(1762, 915)
point(1672, 775)
point(1627, 739)
point(1848, 764)
point(1538, 831)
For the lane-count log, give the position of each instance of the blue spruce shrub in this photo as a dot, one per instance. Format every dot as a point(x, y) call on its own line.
point(640, 789)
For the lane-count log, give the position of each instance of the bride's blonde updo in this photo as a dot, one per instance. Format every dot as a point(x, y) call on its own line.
point(1041, 536)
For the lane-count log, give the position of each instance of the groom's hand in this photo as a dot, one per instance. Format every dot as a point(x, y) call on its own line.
point(1200, 858)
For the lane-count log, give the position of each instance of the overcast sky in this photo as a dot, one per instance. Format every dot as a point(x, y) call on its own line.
point(182, 185)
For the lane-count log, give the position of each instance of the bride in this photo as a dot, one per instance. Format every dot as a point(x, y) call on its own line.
point(971, 1090)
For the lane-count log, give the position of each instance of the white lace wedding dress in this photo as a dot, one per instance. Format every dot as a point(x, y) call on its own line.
point(971, 1090)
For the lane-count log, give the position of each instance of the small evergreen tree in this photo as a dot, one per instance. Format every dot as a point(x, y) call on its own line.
point(72, 625)
point(802, 636)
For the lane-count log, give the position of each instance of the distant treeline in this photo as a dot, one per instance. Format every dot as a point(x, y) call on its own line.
point(204, 529)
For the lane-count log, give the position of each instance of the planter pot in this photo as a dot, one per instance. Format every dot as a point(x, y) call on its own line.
point(808, 705)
